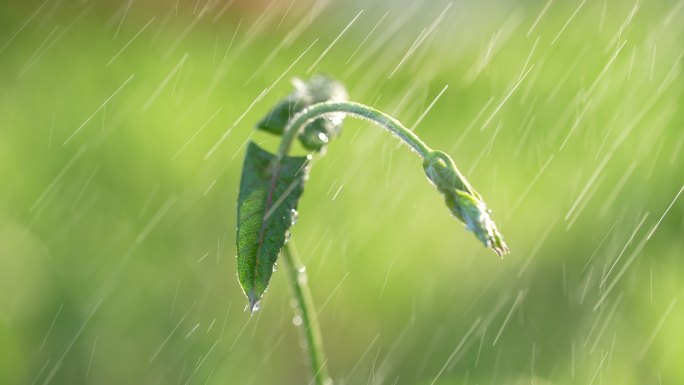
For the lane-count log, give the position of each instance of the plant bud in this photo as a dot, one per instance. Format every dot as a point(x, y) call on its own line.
point(463, 201)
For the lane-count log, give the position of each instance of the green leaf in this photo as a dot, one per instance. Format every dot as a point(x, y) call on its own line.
point(277, 119)
point(463, 201)
point(269, 191)
point(316, 135)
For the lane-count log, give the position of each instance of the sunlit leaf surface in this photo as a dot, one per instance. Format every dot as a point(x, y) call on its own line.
point(267, 208)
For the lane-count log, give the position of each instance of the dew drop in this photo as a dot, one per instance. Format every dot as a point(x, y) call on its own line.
point(252, 307)
point(302, 279)
point(297, 320)
point(337, 119)
point(323, 137)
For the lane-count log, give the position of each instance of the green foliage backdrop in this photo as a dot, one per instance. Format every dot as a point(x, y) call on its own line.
point(123, 129)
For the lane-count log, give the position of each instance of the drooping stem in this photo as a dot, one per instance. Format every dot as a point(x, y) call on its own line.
point(312, 333)
point(295, 270)
point(461, 198)
point(358, 110)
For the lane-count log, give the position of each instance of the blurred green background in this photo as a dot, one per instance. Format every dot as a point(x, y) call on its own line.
point(122, 132)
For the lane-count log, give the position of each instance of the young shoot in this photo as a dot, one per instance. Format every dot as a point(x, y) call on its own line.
point(272, 184)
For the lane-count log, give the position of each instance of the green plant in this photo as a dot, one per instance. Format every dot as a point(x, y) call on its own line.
point(272, 184)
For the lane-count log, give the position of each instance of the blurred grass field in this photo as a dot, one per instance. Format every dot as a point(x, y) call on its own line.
point(122, 132)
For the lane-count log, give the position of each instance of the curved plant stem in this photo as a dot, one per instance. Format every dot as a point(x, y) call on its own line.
point(296, 272)
point(312, 332)
point(358, 110)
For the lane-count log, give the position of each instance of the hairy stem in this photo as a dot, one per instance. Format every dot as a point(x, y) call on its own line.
point(357, 110)
point(312, 332)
